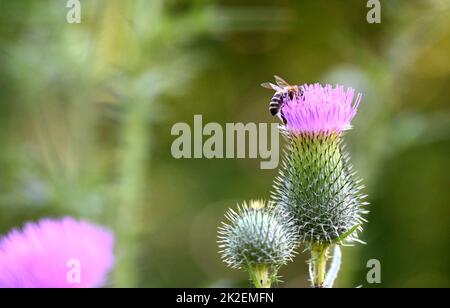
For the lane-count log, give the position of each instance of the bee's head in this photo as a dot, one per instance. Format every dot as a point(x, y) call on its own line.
point(291, 95)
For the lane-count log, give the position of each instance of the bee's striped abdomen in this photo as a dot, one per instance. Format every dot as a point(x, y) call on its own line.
point(275, 103)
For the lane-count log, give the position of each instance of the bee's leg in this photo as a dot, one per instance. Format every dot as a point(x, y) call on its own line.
point(282, 117)
point(301, 93)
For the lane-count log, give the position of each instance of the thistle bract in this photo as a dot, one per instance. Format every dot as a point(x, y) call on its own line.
point(256, 235)
point(316, 186)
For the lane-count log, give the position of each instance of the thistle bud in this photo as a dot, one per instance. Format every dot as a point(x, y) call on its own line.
point(257, 239)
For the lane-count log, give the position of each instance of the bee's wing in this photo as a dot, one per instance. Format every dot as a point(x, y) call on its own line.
point(281, 82)
point(269, 85)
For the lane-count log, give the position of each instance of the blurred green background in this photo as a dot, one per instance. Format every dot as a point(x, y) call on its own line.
point(87, 109)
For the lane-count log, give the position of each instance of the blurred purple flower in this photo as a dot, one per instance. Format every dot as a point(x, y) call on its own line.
point(321, 109)
point(63, 253)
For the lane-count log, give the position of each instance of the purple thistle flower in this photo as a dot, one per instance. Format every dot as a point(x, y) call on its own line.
point(63, 253)
point(321, 109)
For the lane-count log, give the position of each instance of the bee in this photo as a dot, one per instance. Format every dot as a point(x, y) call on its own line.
point(283, 91)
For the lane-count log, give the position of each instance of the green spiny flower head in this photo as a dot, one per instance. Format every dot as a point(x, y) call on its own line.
point(316, 186)
point(256, 235)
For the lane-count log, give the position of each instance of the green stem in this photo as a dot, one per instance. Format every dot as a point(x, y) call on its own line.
point(132, 191)
point(260, 275)
point(319, 264)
